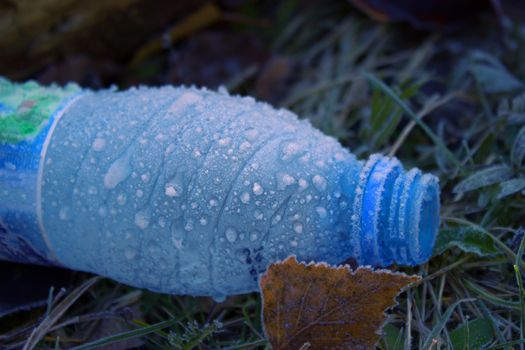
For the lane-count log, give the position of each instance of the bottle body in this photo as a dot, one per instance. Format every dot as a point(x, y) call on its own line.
point(189, 191)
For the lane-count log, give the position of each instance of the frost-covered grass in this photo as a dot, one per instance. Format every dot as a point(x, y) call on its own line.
point(449, 104)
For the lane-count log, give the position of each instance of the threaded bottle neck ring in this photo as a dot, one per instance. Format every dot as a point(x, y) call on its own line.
point(395, 213)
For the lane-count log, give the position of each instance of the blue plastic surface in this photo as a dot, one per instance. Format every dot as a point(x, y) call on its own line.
point(190, 191)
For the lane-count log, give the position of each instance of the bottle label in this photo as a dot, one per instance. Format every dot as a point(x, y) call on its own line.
point(27, 114)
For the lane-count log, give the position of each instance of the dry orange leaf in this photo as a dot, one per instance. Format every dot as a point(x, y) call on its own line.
point(327, 307)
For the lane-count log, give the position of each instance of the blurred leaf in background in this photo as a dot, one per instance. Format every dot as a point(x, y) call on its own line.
point(475, 334)
point(468, 239)
point(37, 33)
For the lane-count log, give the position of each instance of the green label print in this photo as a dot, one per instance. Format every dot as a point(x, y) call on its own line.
point(25, 108)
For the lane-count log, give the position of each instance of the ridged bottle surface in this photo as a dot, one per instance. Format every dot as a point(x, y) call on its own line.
point(190, 191)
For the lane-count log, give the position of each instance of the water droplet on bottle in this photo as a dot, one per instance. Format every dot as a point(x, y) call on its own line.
point(139, 193)
point(219, 298)
point(321, 211)
point(225, 141)
point(251, 134)
point(187, 99)
point(298, 227)
point(189, 225)
point(64, 213)
point(102, 211)
point(257, 214)
point(171, 147)
point(379, 175)
point(244, 146)
point(177, 236)
point(231, 234)
point(171, 191)
point(245, 197)
point(10, 166)
point(130, 253)
point(142, 219)
point(257, 188)
point(289, 151)
point(319, 182)
point(98, 144)
point(121, 199)
point(276, 219)
point(145, 177)
point(175, 186)
point(284, 180)
point(303, 184)
point(117, 172)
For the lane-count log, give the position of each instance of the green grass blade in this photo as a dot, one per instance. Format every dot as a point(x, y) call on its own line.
point(499, 346)
point(127, 335)
point(493, 322)
point(490, 297)
point(435, 138)
point(442, 323)
point(520, 286)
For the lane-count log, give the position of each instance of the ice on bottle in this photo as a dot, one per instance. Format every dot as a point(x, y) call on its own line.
point(190, 191)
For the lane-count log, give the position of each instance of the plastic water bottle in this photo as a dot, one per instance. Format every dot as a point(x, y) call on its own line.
point(190, 191)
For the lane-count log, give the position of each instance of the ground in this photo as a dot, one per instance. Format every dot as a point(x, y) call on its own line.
point(449, 100)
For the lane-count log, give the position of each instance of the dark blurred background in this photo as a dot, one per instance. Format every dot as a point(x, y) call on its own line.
point(126, 42)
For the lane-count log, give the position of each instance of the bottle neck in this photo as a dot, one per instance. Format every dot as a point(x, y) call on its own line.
point(395, 213)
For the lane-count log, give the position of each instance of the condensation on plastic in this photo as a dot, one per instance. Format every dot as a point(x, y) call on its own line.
point(189, 191)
